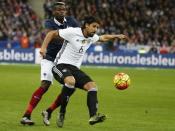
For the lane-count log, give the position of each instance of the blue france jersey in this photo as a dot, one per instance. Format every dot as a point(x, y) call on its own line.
point(55, 45)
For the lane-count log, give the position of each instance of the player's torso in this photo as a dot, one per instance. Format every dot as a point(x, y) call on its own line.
point(56, 44)
point(73, 51)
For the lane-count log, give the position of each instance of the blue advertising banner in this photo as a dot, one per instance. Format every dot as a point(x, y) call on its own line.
point(129, 59)
point(17, 55)
point(120, 59)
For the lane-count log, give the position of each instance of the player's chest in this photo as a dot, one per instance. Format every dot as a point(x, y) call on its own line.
point(81, 42)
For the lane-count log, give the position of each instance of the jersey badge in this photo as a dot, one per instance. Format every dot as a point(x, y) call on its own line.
point(84, 42)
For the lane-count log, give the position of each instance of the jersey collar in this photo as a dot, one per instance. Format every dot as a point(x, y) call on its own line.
point(57, 22)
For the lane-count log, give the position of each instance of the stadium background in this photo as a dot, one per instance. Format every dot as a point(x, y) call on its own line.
point(147, 105)
point(150, 26)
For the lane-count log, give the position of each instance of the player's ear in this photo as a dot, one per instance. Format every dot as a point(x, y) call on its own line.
point(86, 25)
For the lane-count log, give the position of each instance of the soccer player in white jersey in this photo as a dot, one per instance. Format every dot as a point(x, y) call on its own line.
point(69, 59)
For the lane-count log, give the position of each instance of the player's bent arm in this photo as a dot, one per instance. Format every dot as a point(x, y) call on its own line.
point(104, 38)
point(50, 35)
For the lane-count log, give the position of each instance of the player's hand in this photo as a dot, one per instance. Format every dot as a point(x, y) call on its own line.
point(121, 36)
point(42, 52)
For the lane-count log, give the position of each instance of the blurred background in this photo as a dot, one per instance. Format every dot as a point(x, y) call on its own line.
point(150, 24)
point(147, 105)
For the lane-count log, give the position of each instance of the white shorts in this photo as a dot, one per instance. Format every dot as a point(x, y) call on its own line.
point(46, 70)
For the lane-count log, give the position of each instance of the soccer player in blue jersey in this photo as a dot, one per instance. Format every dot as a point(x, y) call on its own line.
point(69, 60)
point(59, 21)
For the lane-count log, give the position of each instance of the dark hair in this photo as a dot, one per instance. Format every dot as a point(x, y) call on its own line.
point(57, 3)
point(90, 20)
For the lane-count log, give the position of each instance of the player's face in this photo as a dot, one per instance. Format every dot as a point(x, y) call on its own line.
point(59, 11)
point(92, 29)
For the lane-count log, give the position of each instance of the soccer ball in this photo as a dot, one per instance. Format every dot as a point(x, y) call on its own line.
point(121, 81)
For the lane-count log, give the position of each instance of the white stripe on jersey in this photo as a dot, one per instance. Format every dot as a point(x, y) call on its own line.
point(75, 46)
point(61, 51)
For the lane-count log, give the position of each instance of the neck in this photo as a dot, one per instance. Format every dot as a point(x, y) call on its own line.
point(84, 32)
point(60, 19)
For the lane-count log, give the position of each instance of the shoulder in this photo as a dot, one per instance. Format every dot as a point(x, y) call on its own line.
point(95, 38)
point(72, 29)
point(49, 23)
point(69, 32)
point(70, 18)
point(75, 30)
point(72, 21)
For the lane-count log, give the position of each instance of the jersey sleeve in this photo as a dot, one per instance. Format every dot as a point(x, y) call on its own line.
point(95, 38)
point(66, 33)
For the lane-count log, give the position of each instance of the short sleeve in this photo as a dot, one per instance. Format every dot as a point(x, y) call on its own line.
point(66, 33)
point(95, 38)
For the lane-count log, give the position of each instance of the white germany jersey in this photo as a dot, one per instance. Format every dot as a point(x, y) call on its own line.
point(74, 46)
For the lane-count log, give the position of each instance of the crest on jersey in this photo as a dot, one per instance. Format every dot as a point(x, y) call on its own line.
point(85, 41)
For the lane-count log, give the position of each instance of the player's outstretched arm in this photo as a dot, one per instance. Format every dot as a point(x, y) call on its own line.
point(50, 35)
point(104, 38)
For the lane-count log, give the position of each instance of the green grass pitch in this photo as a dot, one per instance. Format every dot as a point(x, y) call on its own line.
point(147, 105)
